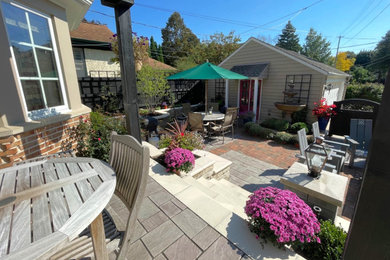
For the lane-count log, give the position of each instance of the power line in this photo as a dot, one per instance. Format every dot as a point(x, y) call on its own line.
point(356, 45)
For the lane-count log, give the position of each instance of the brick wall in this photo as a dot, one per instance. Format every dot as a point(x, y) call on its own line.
point(46, 140)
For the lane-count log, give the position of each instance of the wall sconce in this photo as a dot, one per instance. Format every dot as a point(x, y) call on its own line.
point(328, 86)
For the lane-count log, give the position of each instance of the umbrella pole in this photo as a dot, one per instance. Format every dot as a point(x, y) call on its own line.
point(205, 102)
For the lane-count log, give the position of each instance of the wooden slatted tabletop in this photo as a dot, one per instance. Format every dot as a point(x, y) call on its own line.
point(45, 204)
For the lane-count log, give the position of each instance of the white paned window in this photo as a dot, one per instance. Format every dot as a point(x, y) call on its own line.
point(30, 35)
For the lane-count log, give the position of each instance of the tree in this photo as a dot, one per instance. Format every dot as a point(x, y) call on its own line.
point(217, 48)
point(363, 58)
point(288, 39)
point(153, 49)
point(344, 63)
point(316, 47)
point(381, 59)
point(361, 75)
point(152, 86)
point(178, 40)
point(160, 54)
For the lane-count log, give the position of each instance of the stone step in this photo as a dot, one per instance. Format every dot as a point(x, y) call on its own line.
point(229, 192)
point(203, 167)
point(235, 187)
point(195, 182)
point(205, 182)
point(221, 166)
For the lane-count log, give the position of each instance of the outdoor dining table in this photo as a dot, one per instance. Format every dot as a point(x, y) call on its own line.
point(47, 203)
point(215, 116)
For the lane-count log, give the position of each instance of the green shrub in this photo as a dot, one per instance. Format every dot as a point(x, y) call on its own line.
point(331, 246)
point(299, 116)
point(371, 91)
point(284, 138)
point(248, 125)
point(276, 124)
point(256, 130)
point(294, 128)
point(93, 135)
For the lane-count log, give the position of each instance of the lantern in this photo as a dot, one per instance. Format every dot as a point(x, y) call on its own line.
point(316, 157)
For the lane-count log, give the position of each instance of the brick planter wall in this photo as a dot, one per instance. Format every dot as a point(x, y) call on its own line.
point(46, 140)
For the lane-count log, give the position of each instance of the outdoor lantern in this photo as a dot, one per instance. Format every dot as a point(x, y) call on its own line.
point(316, 157)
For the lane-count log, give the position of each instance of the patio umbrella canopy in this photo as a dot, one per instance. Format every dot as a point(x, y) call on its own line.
point(206, 71)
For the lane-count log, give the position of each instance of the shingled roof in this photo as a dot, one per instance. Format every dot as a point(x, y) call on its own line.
point(92, 32)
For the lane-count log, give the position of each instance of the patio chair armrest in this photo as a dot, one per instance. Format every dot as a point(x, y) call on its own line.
point(300, 156)
point(351, 141)
point(344, 145)
point(338, 152)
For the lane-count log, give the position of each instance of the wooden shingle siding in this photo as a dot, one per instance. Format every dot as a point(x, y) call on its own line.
point(273, 86)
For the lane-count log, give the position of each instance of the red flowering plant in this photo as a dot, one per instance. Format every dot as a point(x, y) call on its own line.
point(281, 217)
point(178, 160)
point(322, 109)
point(178, 136)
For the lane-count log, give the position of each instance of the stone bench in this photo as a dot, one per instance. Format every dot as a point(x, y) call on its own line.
point(327, 192)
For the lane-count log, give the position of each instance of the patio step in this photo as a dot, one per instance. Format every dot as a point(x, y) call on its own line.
point(235, 187)
point(223, 212)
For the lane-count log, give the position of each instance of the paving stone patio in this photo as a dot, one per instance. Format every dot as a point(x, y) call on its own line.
point(259, 163)
point(167, 229)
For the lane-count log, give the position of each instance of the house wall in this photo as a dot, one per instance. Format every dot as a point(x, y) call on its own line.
point(100, 60)
point(13, 117)
point(338, 89)
point(21, 138)
point(273, 86)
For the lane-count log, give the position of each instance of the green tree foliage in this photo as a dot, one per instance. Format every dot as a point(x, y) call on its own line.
point(371, 91)
point(361, 75)
point(363, 58)
point(160, 54)
point(288, 39)
point(152, 86)
point(217, 48)
point(178, 40)
point(381, 59)
point(153, 49)
point(316, 47)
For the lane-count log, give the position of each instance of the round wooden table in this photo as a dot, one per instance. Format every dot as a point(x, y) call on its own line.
point(215, 116)
point(47, 203)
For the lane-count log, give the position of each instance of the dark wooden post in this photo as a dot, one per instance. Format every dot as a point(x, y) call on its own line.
point(368, 236)
point(126, 59)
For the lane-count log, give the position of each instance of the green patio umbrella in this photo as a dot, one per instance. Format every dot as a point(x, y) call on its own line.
point(206, 71)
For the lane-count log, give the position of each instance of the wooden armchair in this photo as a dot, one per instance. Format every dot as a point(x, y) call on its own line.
point(224, 127)
point(130, 160)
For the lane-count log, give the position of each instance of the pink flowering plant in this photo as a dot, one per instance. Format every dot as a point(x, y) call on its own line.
point(179, 159)
point(281, 217)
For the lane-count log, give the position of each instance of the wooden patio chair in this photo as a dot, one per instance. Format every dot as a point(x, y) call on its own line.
point(336, 163)
point(224, 127)
point(348, 146)
point(360, 132)
point(130, 160)
point(195, 121)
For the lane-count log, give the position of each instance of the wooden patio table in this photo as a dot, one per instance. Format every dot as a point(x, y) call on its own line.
point(45, 204)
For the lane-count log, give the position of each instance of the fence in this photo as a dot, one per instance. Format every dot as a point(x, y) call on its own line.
point(106, 93)
point(351, 109)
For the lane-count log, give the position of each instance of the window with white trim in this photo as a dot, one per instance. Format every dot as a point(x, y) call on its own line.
point(34, 52)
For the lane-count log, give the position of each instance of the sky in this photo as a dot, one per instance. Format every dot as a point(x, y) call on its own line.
point(361, 23)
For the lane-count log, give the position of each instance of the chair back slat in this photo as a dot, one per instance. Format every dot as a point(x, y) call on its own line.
point(195, 121)
point(234, 110)
point(316, 130)
point(186, 108)
point(302, 141)
point(228, 119)
point(130, 160)
point(361, 131)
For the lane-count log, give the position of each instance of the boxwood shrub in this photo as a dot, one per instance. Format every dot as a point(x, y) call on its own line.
point(276, 124)
point(294, 128)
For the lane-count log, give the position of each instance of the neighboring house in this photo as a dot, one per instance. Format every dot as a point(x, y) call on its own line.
point(270, 70)
point(93, 55)
point(40, 98)
point(92, 51)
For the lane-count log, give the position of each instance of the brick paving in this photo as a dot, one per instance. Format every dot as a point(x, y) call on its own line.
point(167, 229)
point(260, 163)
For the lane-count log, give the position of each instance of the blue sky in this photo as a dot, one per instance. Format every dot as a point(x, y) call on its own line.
point(360, 22)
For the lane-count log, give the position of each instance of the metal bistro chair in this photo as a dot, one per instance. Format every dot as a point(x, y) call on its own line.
point(195, 120)
point(348, 147)
point(334, 165)
point(186, 108)
point(130, 160)
point(234, 110)
point(224, 127)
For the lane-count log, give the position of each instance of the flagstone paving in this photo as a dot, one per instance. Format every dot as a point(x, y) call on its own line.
point(259, 163)
point(167, 229)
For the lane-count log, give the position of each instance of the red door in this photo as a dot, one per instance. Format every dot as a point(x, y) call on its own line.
point(246, 96)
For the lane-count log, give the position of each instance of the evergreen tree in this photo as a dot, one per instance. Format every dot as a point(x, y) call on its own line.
point(153, 48)
point(381, 60)
point(316, 47)
point(178, 40)
point(160, 54)
point(288, 39)
point(364, 57)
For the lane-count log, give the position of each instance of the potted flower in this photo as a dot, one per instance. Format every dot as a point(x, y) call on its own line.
point(323, 111)
point(281, 217)
point(179, 160)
